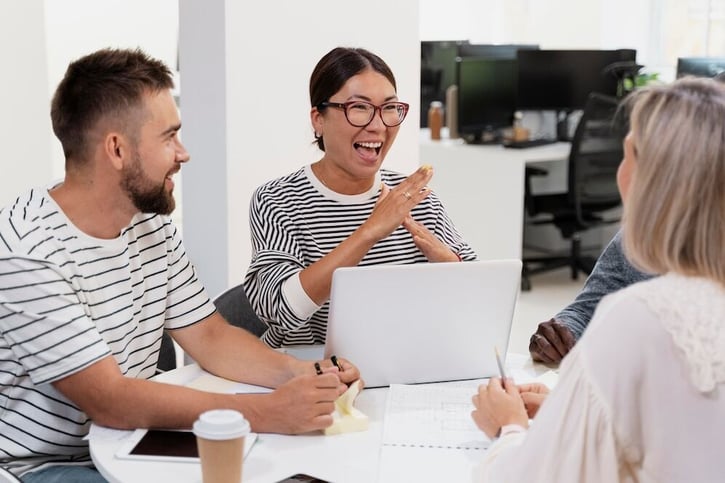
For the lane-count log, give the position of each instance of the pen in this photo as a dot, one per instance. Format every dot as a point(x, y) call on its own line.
point(337, 364)
point(500, 367)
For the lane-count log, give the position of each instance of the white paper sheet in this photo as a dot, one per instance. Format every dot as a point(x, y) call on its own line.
point(432, 415)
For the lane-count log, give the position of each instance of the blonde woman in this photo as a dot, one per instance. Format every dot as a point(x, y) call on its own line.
point(642, 396)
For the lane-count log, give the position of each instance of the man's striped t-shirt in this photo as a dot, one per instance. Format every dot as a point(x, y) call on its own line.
point(68, 300)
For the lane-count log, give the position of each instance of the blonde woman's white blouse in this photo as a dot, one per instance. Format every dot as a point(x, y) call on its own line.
point(640, 398)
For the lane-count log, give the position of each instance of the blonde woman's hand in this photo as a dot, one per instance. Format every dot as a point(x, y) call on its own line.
point(533, 396)
point(497, 407)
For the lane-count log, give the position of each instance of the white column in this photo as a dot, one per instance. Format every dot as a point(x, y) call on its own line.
point(25, 132)
point(203, 104)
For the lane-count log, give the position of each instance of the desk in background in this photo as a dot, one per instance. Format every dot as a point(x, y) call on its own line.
point(482, 188)
point(351, 458)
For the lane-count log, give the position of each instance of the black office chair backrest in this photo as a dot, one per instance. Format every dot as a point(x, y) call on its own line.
point(234, 306)
point(167, 354)
point(596, 152)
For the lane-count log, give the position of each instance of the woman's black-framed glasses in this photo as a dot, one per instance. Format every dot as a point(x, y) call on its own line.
point(361, 113)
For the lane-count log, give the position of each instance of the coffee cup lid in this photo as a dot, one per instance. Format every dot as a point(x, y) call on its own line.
point(221, 424)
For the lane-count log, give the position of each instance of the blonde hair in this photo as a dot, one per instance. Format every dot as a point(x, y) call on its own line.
point(674, 218)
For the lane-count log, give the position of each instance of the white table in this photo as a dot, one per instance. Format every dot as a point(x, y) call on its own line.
point(482, 188)
point(353, 457)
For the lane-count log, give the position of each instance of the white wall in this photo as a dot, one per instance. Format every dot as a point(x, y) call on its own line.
point(38, 39)
point(75, 28)
point(245, 71)
point(24, 119)
point(550, 23)
point(555, 24)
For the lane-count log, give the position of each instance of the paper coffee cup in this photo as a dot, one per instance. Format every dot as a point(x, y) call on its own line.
point(220, 437)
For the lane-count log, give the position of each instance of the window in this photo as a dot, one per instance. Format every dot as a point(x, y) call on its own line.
point(690, 28)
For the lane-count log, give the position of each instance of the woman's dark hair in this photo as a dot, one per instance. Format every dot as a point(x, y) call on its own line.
point(335, 68)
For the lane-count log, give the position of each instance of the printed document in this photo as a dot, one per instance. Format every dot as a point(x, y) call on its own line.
point(432, 415)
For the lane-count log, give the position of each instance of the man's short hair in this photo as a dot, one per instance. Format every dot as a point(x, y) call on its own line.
point(106, 85)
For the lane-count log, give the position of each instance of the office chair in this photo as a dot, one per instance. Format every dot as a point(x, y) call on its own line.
point(167, 354)
point(596, 152)
point(626, 73)
point(234, 306)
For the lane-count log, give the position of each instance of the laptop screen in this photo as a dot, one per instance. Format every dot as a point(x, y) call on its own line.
point(424, 322)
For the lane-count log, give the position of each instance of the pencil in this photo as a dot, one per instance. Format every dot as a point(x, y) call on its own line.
point(500, 367)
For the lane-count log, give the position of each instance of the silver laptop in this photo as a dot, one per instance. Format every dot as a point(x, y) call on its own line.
point(425, 322)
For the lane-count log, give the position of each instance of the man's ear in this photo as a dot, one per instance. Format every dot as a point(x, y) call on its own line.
point(116, 149)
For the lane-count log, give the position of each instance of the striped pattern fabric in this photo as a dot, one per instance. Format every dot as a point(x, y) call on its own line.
point(295, 220)
point(68, 300)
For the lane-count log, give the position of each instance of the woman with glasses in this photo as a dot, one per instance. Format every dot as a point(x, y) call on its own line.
point(641, 396)
point(343, 210)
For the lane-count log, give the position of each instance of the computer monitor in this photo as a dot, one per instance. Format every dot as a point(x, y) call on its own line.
point(562, 79)
point(700, 66)
point(441, 55)
point(493, 51)
point(437, 72)
point(486, 96)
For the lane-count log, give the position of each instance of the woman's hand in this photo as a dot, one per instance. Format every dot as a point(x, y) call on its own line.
point(433, 249)
point(497, 407)
point(533, 396)
point(394, 204)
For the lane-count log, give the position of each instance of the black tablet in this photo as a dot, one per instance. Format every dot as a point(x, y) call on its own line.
point(167, 445)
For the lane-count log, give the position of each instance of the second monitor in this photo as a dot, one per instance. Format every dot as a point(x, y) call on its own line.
point(563, 79)
point(700, 66)
point(486, 97)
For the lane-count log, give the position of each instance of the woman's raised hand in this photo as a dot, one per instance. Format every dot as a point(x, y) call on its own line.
point(394, 204)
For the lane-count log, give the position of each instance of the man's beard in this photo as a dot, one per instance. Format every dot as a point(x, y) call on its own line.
point(146, 196)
